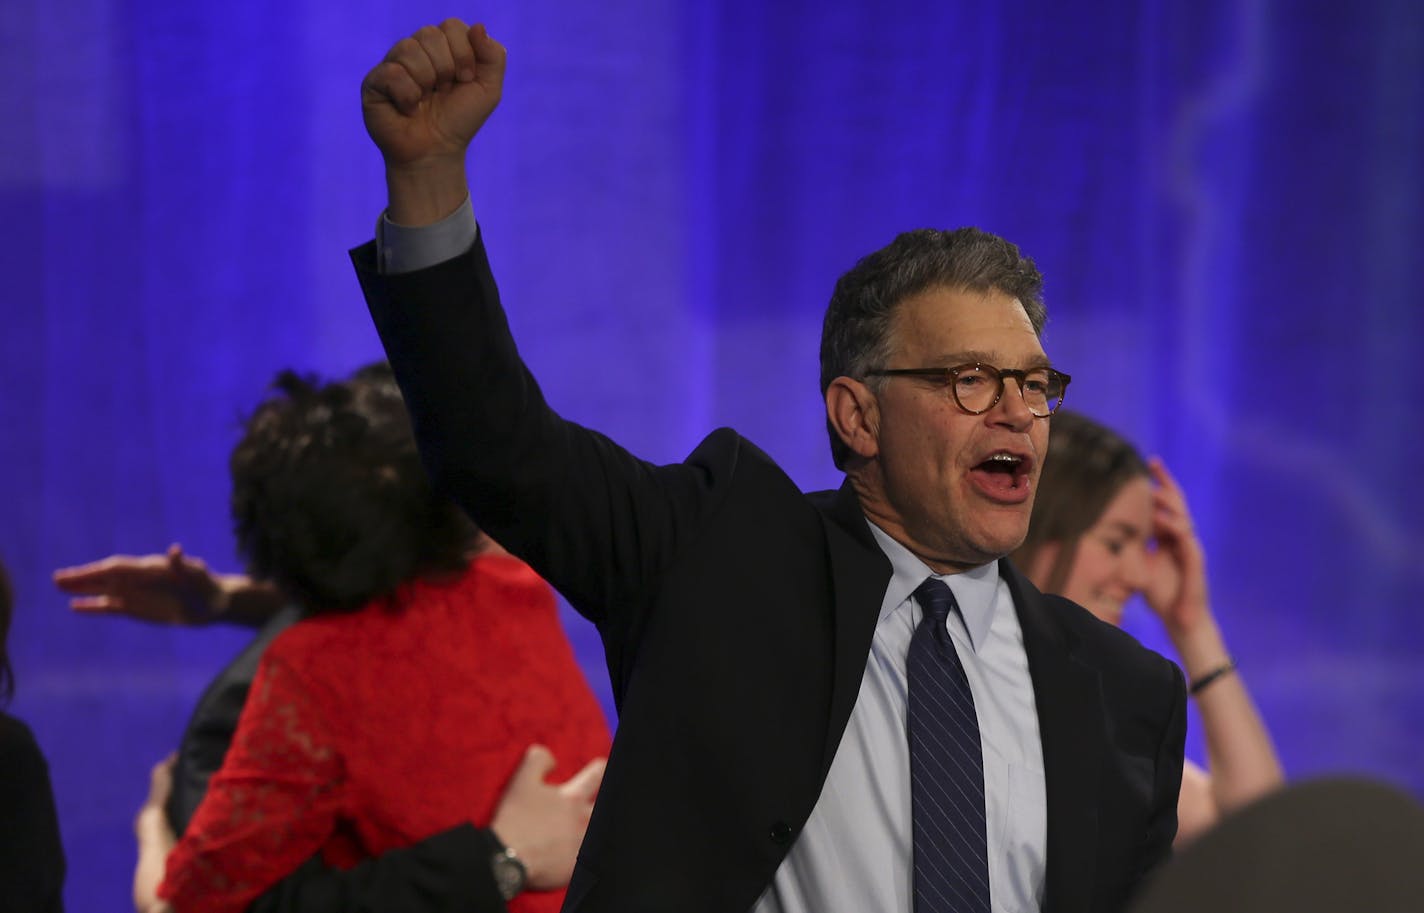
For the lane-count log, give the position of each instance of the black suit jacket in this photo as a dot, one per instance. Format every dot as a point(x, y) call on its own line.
point(736, 614)
point(446, 873)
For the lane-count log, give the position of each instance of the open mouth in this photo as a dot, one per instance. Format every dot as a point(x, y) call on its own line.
point(1003, 476)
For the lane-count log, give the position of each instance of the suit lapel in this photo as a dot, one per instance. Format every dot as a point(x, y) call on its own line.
point(860, 572)
point(1070, 720)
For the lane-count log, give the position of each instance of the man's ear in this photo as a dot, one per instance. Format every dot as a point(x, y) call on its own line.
point(854, 413)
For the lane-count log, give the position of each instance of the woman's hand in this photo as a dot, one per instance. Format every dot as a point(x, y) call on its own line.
point(155, 839)
point(1176, 588)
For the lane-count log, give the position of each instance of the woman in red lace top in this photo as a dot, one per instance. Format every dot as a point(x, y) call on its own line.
point(404, 703)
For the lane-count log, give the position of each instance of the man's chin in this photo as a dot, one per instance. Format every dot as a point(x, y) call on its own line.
point(999, 539)
point(992, 537)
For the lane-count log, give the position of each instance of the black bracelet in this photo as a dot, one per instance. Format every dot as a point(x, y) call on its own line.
point(1225, 668)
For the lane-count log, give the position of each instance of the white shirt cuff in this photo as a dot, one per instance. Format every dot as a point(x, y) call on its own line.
point(403, 249)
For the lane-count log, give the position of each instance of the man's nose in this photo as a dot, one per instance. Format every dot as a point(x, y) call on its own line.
point(1012, 409)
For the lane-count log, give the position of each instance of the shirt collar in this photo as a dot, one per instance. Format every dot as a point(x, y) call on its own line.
point(974, 589)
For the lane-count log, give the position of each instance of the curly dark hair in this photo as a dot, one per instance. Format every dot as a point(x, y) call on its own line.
point(1088, 463)
point(7, 607)
point(855, 337)
point(329, 498)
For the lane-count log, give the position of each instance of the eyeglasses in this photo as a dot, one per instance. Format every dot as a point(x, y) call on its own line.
point(977, 388)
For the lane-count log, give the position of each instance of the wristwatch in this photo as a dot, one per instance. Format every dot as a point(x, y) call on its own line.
point(508, 869)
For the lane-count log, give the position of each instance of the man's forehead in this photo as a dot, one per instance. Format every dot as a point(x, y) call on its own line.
point(953, 305)
point(948, 323)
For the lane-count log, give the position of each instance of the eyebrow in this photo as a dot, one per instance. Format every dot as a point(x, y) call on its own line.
point(1127, 529)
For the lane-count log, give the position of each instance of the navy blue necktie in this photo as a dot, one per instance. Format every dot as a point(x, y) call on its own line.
point(951, 856)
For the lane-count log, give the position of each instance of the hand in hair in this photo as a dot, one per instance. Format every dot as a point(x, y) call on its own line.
point(1243, 763)
point(170, 589)
point(1176, 589)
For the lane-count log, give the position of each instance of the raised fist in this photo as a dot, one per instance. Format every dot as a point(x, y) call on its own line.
point(427, 99)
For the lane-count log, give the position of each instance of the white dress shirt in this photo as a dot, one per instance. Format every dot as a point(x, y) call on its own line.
point(854, 855)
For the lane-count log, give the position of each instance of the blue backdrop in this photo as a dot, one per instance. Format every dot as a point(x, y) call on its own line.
point(1225, 197)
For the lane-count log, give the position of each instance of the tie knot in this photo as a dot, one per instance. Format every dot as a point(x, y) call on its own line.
point(936, 599)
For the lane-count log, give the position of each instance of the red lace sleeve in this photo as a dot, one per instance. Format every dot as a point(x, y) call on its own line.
point(269, 809)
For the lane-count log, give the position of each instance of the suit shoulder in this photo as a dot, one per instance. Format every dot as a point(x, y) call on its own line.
point(22, 763)
point(726, 457)
point(16, 739)
point(723, 449)
point(1108, 646)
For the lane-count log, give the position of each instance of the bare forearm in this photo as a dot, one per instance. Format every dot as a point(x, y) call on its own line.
point(1241, 758)
point(155, 840)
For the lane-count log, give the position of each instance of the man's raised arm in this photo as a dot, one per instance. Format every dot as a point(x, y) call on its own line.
point(422, 106)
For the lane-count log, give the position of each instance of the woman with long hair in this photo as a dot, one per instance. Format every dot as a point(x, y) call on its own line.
point(1108, 525)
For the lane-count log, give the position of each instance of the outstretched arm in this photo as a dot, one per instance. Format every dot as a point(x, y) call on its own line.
point(1242, 761)
point(172, 588)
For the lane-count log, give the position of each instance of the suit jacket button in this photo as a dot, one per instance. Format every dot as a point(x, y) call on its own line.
point(781, 833)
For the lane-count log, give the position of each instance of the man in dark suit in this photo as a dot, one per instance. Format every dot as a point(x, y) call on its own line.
point(836, 702)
